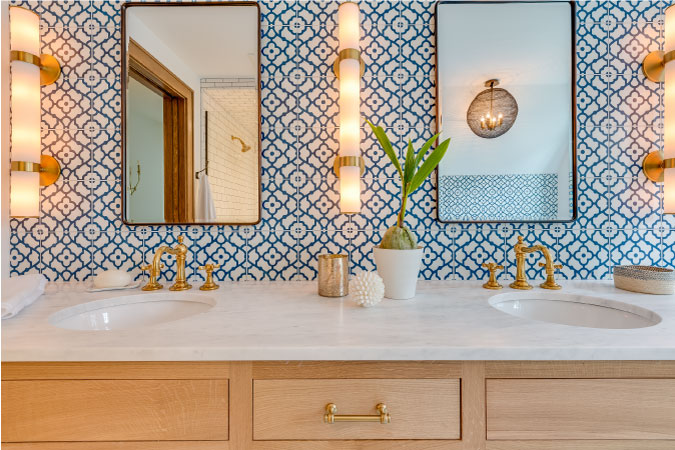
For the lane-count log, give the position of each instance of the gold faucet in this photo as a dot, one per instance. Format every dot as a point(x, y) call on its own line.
point(180, 252)
point(521, 280)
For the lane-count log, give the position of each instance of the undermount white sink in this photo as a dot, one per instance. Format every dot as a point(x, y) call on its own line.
point(131, 311)
point(576, 310)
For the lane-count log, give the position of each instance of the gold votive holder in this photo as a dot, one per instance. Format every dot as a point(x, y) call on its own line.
point(333, 275)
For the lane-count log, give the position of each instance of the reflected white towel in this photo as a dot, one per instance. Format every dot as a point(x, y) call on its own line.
point(20, 291)
point(205, 208)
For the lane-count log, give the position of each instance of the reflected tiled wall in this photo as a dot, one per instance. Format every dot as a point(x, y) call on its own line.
point(619, 116)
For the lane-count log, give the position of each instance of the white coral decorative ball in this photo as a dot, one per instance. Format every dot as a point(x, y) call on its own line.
point(367, 289)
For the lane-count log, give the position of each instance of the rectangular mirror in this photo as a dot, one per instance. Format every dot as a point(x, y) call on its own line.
point(191, 113)
point(506, 97)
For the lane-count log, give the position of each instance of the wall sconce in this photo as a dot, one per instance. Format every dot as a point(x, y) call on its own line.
point(349, 68)
point(493, 112)
point(30, 169)
point(659, 166)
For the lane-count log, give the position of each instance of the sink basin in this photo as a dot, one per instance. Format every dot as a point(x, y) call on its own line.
point(131, 311)
point(576, 310)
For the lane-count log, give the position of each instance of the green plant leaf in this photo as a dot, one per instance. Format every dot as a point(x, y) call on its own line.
point(428, 166)
point(423, 151)
point(386, 146)
point(409, 170)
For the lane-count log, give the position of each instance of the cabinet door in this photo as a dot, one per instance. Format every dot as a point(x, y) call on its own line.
point(114, 410)
point(294, 409)
point(581, 409)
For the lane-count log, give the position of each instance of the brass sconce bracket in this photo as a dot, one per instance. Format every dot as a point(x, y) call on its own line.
point(348, 53)
point(654, 64)
point(50, 69)
point(48, 168)
point(342, 161)
point(654, 165)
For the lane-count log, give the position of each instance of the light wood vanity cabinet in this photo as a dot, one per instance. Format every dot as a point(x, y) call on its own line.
point(281, 405)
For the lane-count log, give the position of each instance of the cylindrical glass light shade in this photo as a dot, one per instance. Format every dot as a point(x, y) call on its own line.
point(669, 115)
point(25, 112)
point(349, 103)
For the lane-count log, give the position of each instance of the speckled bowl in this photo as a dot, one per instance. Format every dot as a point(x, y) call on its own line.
point(645, 279)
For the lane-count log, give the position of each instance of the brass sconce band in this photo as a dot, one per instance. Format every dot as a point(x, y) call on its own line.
point(348, 53)
point(342, 161)
point(48, 168)
point(25, 166)
point(654, 166)
point(18, 55)
point(50, 69)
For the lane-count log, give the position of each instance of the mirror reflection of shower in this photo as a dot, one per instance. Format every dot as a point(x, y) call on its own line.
point(244, 147)
point(133, 186)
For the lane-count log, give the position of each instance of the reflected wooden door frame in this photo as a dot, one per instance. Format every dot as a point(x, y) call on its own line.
point(178, 131)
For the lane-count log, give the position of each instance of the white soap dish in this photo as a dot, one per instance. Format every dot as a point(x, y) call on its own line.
point(645, 279)
point(132, 285)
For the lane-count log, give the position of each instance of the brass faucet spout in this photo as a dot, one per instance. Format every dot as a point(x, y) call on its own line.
point(521, 280)
point(180, 252)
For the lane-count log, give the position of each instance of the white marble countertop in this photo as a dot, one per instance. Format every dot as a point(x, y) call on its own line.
point(447, 320)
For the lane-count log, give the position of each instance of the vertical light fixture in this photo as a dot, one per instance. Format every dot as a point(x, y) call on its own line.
point(659, 166)
point(29, 71)
point(349, 67)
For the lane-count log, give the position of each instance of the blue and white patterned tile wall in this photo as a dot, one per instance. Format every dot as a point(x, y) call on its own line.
point(619, 116)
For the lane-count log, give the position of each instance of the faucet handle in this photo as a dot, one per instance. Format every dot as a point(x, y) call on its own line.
point(152, 284)
point(147, 267)
point(492, 281)
point(550, 280)
point(209, 285)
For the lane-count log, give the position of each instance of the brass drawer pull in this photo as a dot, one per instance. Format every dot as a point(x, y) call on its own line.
point(330, 416)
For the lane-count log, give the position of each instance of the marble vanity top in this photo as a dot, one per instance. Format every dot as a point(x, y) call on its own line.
point(448, 320)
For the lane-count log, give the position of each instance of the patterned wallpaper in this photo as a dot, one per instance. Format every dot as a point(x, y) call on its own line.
point(619, 116)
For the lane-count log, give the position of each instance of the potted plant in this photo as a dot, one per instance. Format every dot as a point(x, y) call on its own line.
point(398, 257)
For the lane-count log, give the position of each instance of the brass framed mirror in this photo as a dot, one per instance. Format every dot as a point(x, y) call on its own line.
point(191, 113)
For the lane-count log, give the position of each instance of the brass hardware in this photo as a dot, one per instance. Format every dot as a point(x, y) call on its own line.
point(132, 189)
point(180, 252)
point(50, 69)
point(550, 270)
point(522, 251)
point(209, 285)
point(383, 417)
point(18, 55)
point(25, 166)
point(333, 276)
point(654, 64)
point(244, 147)
point(348, 53)
point(152, 284)
point(654, 166)
point(342, 161)
point(48, 168)
point(492, 282)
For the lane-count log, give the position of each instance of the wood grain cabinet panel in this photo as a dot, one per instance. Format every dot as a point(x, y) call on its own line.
point(114, 410)
point(580, 409)
point(294, 409)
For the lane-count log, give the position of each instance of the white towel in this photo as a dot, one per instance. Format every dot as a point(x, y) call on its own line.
point(20, 291)
point(205, 209)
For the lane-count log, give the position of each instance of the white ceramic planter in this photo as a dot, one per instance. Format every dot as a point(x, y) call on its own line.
point(399, 270)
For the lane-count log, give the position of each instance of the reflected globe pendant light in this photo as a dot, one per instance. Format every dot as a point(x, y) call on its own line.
point(493, 112)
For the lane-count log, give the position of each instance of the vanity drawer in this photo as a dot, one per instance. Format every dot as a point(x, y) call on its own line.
point(294, 409)
point(114, 410)
point(580, 409)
